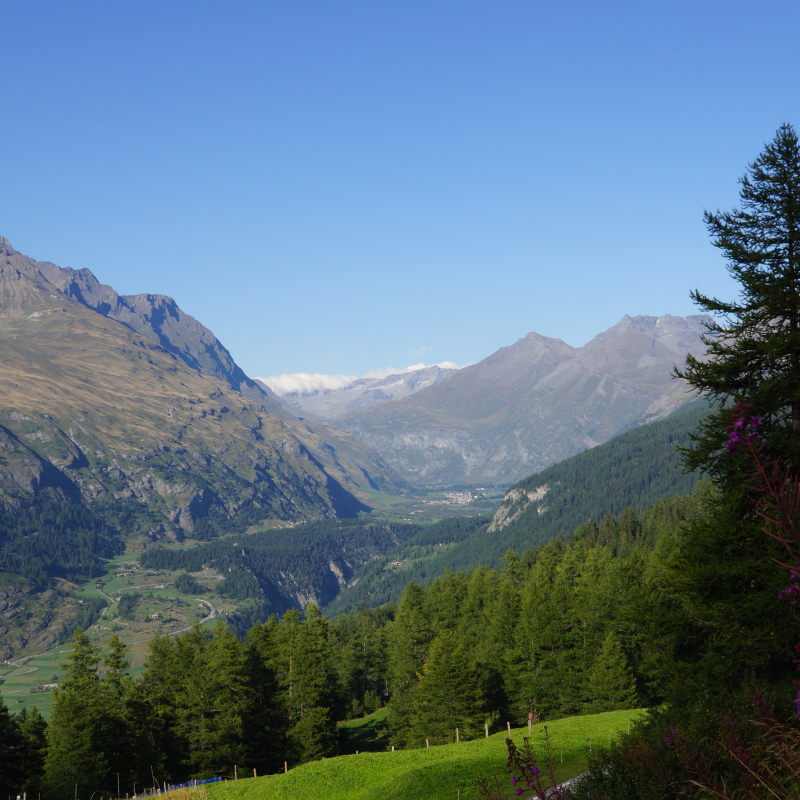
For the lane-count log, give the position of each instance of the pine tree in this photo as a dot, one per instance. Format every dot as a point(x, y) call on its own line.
point(611, 685)
point(34, 736)
point(755, 349)
point(316, 702)
point(161, 685)
point(734, 629)
point(11, 749)
point(75, 747)
point(449, 694)
point(412, 633)
point(265, 724)
point(121, 737)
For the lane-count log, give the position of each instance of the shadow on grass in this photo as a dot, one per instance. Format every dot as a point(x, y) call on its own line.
point(368, 735)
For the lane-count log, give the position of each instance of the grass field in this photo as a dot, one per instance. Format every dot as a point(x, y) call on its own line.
point(448, 772)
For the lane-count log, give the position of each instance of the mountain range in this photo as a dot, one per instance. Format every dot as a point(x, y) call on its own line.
point(136, 409)
point(533, 403)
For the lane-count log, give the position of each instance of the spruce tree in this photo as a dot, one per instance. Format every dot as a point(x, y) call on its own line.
point(316, 702)
point(161, 686)
point(733, 630)
point(412, 633)
point(611, 685)
point(75, 746)
point(34, 740)
point(11, 749)
point(449, 694)
point(754, 341)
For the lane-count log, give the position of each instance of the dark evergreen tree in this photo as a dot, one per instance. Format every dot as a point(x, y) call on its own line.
point(448, 696)
point(264, 720)
point(611, 685)
point(412, 633)
point(754, 346)
point(34, 741)
point(75, 747)
point(161, 685)
point(11, 749)
point(316, 701)
point(736, 630)
point(123, 740)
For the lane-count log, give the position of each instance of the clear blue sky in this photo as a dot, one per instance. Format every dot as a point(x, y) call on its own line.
point(332, 186)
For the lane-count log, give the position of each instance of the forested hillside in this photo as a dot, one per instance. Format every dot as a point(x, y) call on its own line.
point(634, 469)
point(287, 568)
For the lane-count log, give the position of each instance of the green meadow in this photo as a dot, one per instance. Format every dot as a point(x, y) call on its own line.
point(448, 772)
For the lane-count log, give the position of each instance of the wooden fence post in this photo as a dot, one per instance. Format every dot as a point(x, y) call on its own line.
point(486, 728)
point(254, 773)
point(393, 748)
point(427, 743)
point(457, 740)
point(235, 773)
point(285, 767)
point(530, 722)
point(508, 725)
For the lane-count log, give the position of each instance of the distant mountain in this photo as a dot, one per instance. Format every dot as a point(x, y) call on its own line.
point(533, 403)
point(330, 404)
point(133, 410)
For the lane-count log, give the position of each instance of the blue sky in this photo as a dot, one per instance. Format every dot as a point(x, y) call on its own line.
point(338, 187)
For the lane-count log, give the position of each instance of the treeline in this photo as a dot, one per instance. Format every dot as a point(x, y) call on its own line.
point(205, 703)
point(553, 632)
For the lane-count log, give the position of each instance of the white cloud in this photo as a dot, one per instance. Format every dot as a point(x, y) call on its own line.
point(305, 383)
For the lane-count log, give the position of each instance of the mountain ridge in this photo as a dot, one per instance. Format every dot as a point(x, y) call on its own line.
point(90, 396)
point(533, 403)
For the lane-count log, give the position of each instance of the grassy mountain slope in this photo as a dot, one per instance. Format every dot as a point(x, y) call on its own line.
point(432, 773)
point(636, 468)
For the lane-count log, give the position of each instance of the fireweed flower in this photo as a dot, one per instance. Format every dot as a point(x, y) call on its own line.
point(743, 427)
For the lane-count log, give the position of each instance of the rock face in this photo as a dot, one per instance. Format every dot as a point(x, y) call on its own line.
point(140, 411)
point(533, 403)
point(331, 404)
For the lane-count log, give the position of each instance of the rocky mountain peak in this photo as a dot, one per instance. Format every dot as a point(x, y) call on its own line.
point(5, 248)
